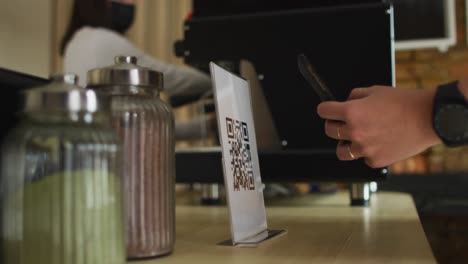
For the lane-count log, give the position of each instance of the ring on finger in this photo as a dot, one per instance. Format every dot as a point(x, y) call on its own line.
point(338, 132)
point(349, 152)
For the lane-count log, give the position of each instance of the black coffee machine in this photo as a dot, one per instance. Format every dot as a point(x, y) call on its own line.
point(350, 45)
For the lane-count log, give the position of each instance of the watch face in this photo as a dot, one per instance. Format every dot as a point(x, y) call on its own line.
point(451, 122)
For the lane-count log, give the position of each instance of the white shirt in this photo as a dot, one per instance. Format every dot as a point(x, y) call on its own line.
point(92, 48)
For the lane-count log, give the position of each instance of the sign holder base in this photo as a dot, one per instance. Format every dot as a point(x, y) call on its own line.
point(252, 243)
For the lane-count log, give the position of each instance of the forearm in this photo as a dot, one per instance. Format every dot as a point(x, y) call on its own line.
point(463, 87)
point(179, 81)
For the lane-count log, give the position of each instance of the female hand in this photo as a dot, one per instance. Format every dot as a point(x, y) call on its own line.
point(381, 124)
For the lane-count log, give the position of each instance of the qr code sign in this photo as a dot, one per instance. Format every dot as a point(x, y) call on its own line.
point(239, 151)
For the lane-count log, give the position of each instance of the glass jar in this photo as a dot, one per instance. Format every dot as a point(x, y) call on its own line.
point(146, 126)
point(60, 191)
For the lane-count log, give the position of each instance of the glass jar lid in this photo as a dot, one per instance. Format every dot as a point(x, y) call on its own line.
point(63, 94)
point(125, 71)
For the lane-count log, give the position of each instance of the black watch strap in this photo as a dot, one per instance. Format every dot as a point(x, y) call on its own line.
point(450, 102)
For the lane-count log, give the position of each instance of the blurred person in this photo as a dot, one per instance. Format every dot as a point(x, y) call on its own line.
point(95, 35)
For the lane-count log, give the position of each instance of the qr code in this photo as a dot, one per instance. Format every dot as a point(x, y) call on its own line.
point(241, 158)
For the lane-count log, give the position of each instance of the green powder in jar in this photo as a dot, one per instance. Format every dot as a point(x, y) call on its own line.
point(68, 217)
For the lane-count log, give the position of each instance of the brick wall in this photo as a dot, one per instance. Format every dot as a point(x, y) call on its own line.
point(425, 68)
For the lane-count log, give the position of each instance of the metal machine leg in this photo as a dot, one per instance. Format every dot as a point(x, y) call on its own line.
point(210, 194)
point(373, 187)
point(360, 194)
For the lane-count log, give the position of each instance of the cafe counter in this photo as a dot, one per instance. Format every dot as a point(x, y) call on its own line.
point(320, 229)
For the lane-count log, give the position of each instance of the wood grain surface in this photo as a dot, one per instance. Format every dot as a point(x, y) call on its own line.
point(321, 229)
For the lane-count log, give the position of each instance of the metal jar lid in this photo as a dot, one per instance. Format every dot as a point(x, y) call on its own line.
point(125, 71)
point(63, 94)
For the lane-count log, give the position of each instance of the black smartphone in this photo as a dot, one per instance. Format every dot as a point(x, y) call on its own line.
point(309, 74)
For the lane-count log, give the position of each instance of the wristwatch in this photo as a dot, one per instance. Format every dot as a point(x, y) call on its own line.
point(450, 115)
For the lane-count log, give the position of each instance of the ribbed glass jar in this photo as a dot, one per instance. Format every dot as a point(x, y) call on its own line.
point(60, 190)
point(146, 127)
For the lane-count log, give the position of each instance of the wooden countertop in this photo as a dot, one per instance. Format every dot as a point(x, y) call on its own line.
point(321, 229)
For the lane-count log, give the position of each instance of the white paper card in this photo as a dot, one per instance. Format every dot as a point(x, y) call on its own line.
point(242, 178)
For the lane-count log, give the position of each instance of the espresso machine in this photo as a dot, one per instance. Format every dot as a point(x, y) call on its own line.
point(350, 44)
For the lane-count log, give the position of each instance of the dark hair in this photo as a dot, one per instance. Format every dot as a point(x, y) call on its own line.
point(93, 13)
